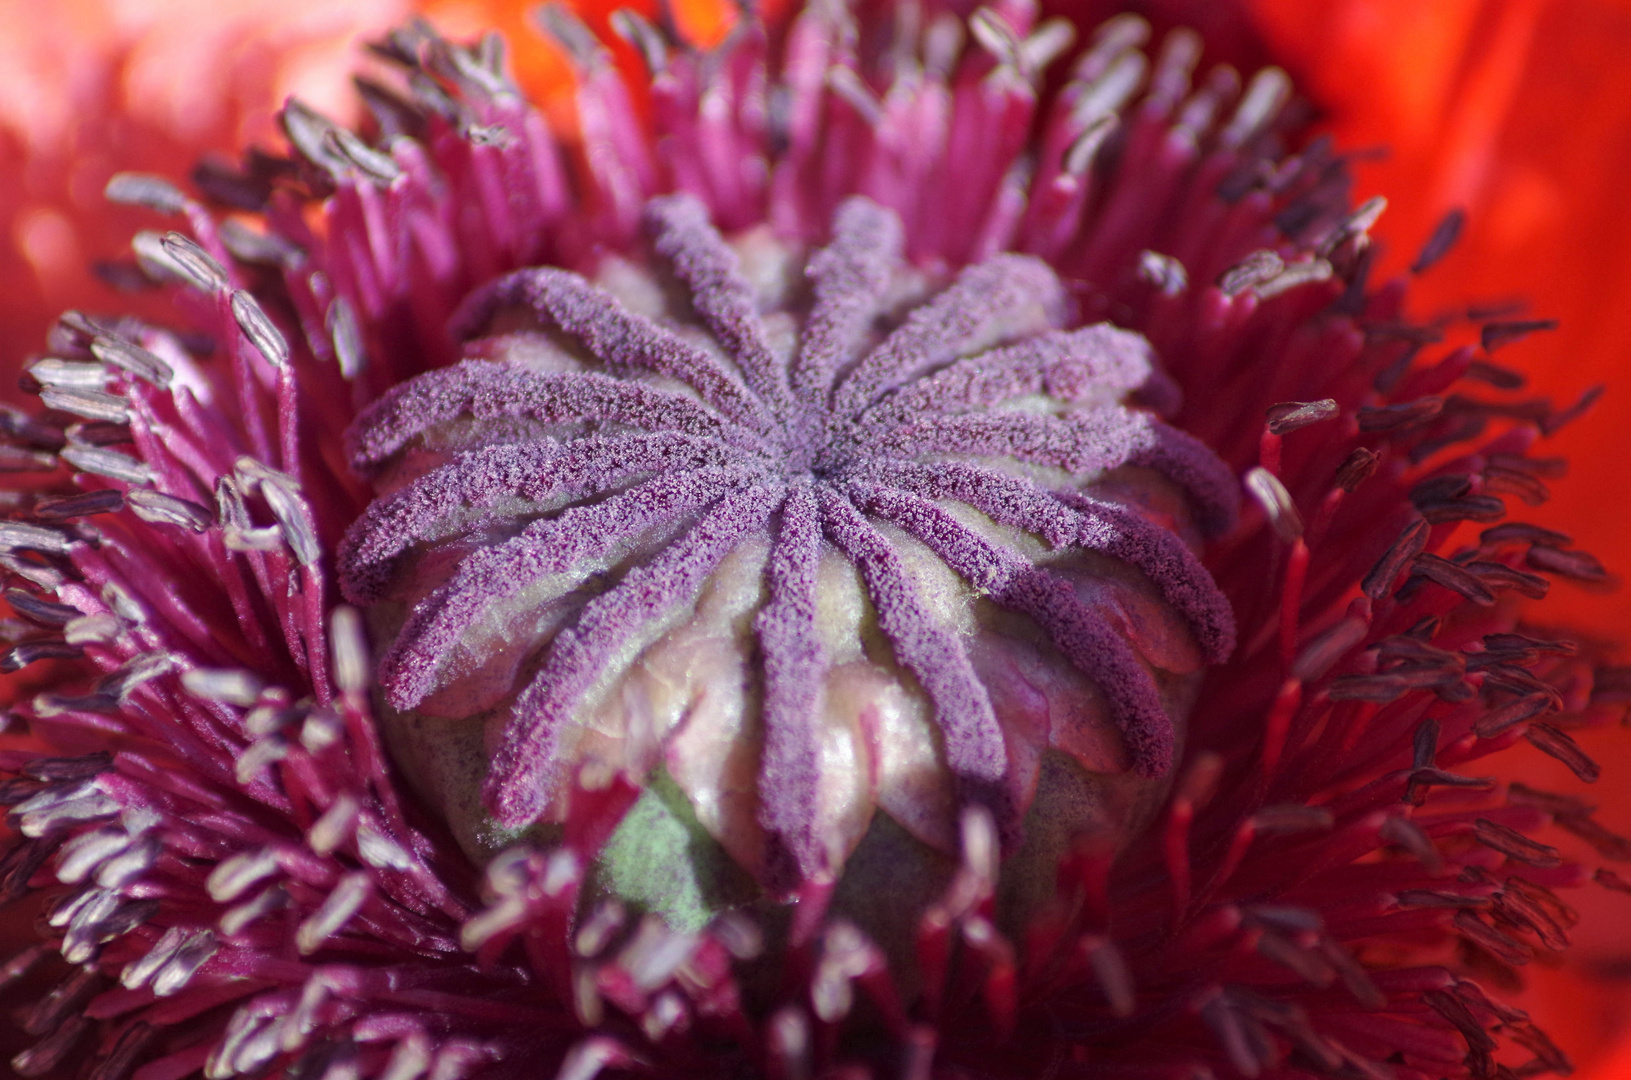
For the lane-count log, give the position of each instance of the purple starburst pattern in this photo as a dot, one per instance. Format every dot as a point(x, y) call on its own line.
point(602, 464)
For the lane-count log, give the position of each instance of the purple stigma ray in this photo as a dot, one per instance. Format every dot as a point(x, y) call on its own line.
point(525, 769)
point(1082, 443)
point(849, 278)
point(1166, 560)
point(1081, 634)
point(973, 740)
point(702, 260)
point(486, 390)
point(1094, 365)
point(794, 663)
point(1067, 520)
point(556, 545)
point(429, 508)
point(969, 316)
point(456, 497)
point(1190, 464)
point(633, 480)
point(611, 333)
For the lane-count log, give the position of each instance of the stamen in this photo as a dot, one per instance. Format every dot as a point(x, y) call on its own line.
point(109, 463)
point(266, 338)
point(1514, 845)
point(72, 374)
point(107, 501)
point(343, 902)
point(1289, 416)
point(1445, 234)
point(160, 509)
point(143, 189)
point(198, 267)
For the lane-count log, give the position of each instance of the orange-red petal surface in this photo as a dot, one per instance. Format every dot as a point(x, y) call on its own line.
point(92, 87)
point(1518, 111)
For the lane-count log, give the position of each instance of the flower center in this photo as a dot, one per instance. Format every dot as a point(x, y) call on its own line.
point(814, 540)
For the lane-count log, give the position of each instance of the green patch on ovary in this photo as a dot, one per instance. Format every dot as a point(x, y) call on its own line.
point(661, 860)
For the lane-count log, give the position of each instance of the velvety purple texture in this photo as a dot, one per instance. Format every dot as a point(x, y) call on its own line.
point(626, 341)
point(579, 653)
point(794, 663)
point(964, 401)
point(477, 481)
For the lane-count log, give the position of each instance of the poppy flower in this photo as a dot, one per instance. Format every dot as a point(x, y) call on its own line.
point(840, 551)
